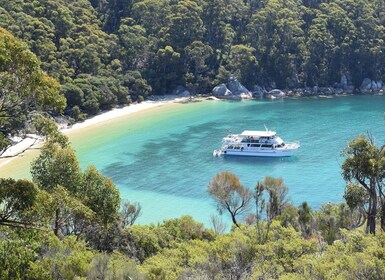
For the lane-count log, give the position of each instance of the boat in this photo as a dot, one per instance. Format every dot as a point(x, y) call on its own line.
point(256, 144)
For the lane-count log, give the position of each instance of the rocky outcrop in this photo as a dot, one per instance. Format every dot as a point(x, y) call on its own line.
point(369, 86)
point(222, 91)
point(232, 90)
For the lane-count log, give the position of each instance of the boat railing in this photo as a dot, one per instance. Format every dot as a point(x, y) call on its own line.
point(293, 145)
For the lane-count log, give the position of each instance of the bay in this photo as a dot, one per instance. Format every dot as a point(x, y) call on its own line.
point(163, 159)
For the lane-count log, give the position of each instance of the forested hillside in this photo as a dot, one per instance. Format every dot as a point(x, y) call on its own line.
point(111, 52)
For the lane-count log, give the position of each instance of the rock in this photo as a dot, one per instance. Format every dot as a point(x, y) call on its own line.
point(366, 84)
point(374, 85)
point(343, 81)
point(349, 89)
point(246, 95)
point(259, 91)
point(338, 91)
point(236, 87)
point(180, 91)
point(233, 90)
point(221, 91)
point(275, 94)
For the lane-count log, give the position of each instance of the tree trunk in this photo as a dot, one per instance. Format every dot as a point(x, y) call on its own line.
point(372, 212)
point(382, 215)
point(57, 224)
point(234, 220)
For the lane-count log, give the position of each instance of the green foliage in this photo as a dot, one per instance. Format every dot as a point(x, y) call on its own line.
point(67, 259)
point(193, 43)
point(24, 86)
point(364, 166)
point(100, 195)
point(57, 165)
point(16, 198)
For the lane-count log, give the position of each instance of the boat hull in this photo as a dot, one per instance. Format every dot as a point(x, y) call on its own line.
point(259, 153)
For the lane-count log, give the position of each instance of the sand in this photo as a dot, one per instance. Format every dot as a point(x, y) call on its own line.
point(25, 150)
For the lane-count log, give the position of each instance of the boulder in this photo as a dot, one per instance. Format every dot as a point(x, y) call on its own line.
point(246, 95)
point(233, 90)
point(374, 85)
point(236, 87)
point(221, 91)
point(366, 84)
point(343, 81)
point(259, 91)
point(275, 94)
point(349, 89)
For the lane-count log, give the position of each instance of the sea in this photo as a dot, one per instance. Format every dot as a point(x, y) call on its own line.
point(163, 158)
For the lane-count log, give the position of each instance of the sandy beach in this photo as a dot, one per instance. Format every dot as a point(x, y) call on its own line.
point(27, 149)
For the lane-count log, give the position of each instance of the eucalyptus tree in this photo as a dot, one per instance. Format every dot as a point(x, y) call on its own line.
point(24, 87)
point(230, 195)
point(275, 31)
point(197, 55)
point(100, 195)
point(365, 165)
point(17, 197)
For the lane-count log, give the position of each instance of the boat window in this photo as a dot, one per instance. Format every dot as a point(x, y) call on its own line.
point(266, 145)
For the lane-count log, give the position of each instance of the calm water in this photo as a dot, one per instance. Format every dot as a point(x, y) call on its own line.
point(164, 159)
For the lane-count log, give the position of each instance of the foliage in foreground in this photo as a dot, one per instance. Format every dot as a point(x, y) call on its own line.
point(31, 254)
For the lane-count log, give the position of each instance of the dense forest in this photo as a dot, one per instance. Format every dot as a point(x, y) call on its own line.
point(79, 57)
point(108, 52)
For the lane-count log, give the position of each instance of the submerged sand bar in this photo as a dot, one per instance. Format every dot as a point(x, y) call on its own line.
point(15, 161)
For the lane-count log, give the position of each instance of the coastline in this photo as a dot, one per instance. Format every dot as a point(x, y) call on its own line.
point(27, 147)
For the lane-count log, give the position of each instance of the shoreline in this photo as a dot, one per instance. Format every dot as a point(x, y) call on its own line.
point(33, 141)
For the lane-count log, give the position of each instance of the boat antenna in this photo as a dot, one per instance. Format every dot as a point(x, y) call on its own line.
point(265, 127)
point(228, 130)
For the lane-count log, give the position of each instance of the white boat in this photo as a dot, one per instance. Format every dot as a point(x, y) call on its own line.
point(256, 144)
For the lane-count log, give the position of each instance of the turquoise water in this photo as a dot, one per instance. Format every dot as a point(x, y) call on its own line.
point(163, 159)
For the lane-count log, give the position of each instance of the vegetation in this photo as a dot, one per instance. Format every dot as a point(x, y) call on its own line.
point(84, 56)
point(66, 225)
point(105, 53)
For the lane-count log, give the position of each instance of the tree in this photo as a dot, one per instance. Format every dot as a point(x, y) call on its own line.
point(197, 53)
point(276, 34)
point(57, 165)
point(67, 214)
point(229, 194)
point(356, 198)
point(277, 192)
point(24, 87)
point(305, 219)
point(16, 199)
point(100, 195)
point(364, 165)
point(130, 212)
point(243, 63)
